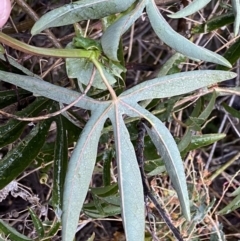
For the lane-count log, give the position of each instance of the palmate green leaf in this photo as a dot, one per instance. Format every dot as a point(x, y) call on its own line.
point(78, 11)
point(60, 165)
point(19, 158)
point(43, 88)
point(129, 179)
point(236, 11)
point(177, 41)
point(14, 128)
point(202, 210)
point(80, 171)
point(82, 69)
point(176, 84)
point(111, 37)
point(11, 233)
point(193, 7)
point(83, 159)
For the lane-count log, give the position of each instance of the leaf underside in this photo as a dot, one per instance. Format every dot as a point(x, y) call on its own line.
point(83, 158)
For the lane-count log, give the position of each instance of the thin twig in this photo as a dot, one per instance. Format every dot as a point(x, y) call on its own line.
point(35, 17)
point(104, 79)
point(44, 117)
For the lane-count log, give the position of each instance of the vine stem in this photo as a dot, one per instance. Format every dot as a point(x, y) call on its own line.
point(109, 87)
point(48, 52)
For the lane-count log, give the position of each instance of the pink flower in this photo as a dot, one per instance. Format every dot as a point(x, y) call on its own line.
point(5, 10)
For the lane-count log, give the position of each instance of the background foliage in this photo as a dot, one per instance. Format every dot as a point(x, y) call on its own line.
point(137, 45)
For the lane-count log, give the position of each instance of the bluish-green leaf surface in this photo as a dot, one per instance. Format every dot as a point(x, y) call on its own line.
point(111, 38)
point(129, 179)
point(176, 84)
point(177, 41)
point(43, 88)
point(78, 11)
point(80, 171)
point(236, 11)
point(193, 7)
point(84, 155)
point(168, 150)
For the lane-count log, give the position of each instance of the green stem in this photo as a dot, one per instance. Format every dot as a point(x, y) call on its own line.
point(49, 52)
point(109, 87)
